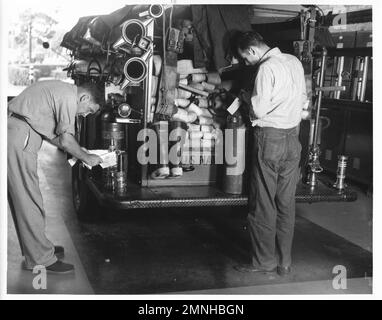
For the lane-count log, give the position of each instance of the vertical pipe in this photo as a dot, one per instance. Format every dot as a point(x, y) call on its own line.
point(319, 97)
point(356, 67)
point(340, 69)
point(364, 79)
point(147, 107)
point(319, 74)
point(333, 76)
point(148, 86)
point(302, 26)
point(312, 25)
point(359, 78)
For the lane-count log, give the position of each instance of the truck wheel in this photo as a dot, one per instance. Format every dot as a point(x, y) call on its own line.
point(85, 203)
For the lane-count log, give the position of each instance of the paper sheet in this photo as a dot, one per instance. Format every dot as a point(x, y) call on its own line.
point(109, 159)
point(234, 106)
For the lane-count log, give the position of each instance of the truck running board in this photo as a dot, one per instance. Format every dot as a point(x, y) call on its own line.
point(138, 197)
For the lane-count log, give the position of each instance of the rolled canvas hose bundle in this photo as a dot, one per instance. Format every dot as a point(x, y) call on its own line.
point(198, 77)
point(186, 67)
point(183, 103)
point(183, 94)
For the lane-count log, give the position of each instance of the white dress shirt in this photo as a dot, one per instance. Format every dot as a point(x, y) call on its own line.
point(279, 92)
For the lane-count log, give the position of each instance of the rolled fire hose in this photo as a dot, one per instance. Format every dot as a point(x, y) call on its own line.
point(194, 108)
point(202, 103)
point(201, 112)
point(193, 127)
point(183, 81)
point(195, 135)
point(206, 113)
point(205, 121)
point(192, 117)
point(208, 86)
point(193, 90)
point(184, 116)
point(196, 85)
point(187, 67)
point(182, 94)
point(209, 135)
point(198, 77)
point(206, 128)
point(183, 103)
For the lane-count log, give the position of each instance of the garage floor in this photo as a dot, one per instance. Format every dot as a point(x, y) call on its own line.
point(190, 251)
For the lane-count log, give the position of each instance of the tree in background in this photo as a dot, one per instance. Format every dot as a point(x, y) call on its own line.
point(27, 35)
point(25, 40)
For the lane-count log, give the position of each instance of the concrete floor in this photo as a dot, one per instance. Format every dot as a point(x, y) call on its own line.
point(129, 254)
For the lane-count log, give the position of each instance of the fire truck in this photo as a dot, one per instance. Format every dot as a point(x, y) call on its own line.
point(165, 113)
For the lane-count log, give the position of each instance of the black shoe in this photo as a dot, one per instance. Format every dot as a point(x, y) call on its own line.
point(59, 252)
point(60, 267)
point(283, 271)
point(246, 268)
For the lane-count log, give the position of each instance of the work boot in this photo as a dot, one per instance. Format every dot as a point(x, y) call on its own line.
point(60, 267)
point(59, 252)
point(248, 268)
point(283, 271)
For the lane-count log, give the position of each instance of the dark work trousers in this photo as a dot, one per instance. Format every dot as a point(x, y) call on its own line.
point(25, 200)
point(273, 180)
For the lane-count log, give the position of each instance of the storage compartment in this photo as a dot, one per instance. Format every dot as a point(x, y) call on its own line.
point(147, 85)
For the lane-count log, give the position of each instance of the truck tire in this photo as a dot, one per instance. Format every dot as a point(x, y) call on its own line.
point(85, 203)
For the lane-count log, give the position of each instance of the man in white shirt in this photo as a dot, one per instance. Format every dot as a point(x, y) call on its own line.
point(277, 99)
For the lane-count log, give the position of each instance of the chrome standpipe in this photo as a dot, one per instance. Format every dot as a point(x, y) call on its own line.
point(341, 170)
point(314, 166)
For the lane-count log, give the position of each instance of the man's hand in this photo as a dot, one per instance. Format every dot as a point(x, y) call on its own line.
point(245, 97)
point(69, 144)
point(92, 160)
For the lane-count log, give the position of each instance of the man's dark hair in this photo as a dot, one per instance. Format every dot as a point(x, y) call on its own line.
point(248, 39)
point(96, 92)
